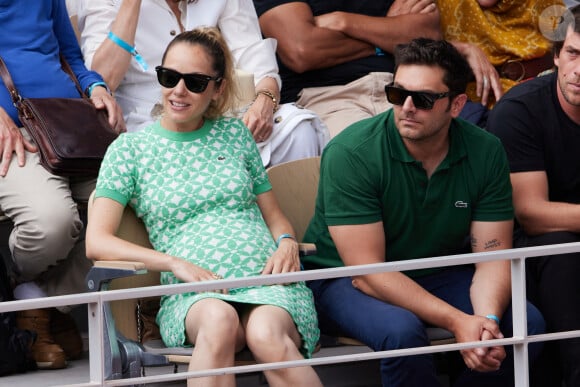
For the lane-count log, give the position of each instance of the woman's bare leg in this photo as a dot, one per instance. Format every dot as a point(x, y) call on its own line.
point(213, 326)
point(272, 336)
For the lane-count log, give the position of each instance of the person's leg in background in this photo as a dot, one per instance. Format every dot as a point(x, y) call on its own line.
point(341, 106)
point(346, 311)
point(554, 287)
point(46, 229)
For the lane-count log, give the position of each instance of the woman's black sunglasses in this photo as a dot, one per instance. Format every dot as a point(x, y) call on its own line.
point(196, 83)
point(421, 99)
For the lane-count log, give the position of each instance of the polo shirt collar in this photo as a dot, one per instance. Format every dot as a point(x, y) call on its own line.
point(399, 151)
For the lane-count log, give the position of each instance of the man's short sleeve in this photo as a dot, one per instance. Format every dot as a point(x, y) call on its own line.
point(349, 192)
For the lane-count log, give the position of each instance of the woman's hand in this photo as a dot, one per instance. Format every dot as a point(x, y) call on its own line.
point(11, 141)
point(188, 272)
point(285, 259)
point(103, 100)
point(486, 76)
point(260, 118)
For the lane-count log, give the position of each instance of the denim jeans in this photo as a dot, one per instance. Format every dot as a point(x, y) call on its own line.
point(344, 310)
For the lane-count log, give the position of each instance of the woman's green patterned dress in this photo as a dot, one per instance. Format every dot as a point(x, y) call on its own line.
point(196, 193)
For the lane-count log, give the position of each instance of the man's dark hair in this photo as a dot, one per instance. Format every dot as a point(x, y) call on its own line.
point(428, 52)
point(563, 29)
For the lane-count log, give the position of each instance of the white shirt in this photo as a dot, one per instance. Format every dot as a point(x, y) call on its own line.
point(157, 26)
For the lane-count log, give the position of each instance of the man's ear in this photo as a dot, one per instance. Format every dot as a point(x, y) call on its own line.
point(457, 104)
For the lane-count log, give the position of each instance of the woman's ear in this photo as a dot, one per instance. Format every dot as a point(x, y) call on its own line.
point(219, 90)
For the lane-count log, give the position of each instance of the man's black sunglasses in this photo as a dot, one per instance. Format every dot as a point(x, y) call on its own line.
point(421, 99)
point(196, 83)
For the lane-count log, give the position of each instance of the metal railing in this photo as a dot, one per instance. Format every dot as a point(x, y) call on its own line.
point(519, 340)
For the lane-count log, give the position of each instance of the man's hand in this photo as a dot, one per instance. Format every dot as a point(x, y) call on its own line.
point(478, 328)
point(103, 100)
point(333, 21)
point(405, 7)
point(11, 141)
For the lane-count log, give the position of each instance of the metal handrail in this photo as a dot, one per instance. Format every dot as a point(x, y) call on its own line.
point(519, 340)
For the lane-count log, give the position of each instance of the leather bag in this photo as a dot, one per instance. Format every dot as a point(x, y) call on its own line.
point(72, 136)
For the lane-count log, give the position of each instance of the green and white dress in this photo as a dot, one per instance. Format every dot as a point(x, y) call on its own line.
point(196, 193)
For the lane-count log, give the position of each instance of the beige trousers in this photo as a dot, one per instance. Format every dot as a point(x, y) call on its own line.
point(47, 240)
point(340, 106)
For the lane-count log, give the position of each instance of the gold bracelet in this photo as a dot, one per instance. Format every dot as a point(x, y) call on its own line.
point(270, 95)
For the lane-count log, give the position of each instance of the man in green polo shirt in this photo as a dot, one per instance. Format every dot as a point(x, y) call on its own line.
point(409, 183)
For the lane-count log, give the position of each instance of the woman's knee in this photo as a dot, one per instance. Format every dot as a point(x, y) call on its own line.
point(212, 323)
point(272, 338)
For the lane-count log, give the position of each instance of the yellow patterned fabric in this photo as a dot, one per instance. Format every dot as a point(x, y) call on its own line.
point(507, 31)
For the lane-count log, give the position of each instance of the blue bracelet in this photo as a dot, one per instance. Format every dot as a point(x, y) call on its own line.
point(284, 236)
point(493, 317)
point(130, 49)
point(95, 84)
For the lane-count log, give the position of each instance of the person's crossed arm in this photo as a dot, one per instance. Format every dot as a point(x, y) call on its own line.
point(306, 42)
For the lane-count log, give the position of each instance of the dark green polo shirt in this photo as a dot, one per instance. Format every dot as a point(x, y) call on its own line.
point(367, 176)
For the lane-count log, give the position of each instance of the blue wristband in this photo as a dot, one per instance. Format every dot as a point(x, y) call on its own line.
point(284, 236)
point(130, 49)
point(95, 84)
point(493, 317)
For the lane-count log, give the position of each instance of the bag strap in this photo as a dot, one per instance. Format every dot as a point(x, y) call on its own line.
point(66, 67)
point(16, 98)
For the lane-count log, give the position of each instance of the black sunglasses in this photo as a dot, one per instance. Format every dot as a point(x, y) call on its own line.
point(196, 83)
point(421, 99)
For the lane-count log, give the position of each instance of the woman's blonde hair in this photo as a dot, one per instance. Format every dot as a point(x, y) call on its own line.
point(214, 44)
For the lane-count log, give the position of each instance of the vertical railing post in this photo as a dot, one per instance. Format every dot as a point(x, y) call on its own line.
point(520, 325)
point(96, 342)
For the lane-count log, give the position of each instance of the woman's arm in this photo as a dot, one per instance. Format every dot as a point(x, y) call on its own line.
point(285, 258)
point(96, 19)
point(103, 244)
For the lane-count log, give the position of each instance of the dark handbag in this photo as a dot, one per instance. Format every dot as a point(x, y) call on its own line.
point(71, 134)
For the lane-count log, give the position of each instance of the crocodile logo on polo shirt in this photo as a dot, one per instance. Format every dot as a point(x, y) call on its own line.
point(461, 204)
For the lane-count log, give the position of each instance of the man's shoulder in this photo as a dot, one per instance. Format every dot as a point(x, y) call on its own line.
point(532, 91)
point(529, 103)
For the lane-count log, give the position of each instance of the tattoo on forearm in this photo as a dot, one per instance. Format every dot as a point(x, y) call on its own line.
point(492, 244)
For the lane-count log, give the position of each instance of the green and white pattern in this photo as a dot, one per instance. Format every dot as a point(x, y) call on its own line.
point(196, 193)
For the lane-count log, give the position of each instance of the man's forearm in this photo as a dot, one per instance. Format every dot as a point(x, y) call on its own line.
point(384, 32)
point(398, 289)
point(490, 290)
point(549, 217)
